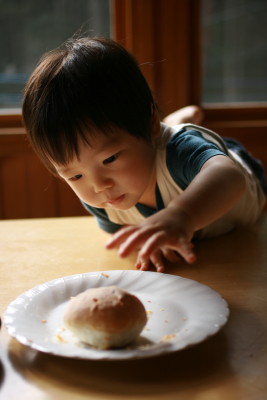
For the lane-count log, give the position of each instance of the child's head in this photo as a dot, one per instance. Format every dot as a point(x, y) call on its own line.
point(86, 86)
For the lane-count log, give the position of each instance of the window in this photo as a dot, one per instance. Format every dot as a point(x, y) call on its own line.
point(234, 51)
point(29, 28)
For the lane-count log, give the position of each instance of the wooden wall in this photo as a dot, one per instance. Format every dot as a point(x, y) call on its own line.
point(27, 189)
point(249, 126)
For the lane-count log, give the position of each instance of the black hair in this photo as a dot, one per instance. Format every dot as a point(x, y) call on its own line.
point(85, 86)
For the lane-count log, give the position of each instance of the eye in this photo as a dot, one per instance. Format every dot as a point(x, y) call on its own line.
point(75, 177)
point(111, 159)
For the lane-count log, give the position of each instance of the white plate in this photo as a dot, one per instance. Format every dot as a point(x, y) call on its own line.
point(181, 312)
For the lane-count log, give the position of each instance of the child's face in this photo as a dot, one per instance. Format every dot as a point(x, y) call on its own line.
point(115, 171)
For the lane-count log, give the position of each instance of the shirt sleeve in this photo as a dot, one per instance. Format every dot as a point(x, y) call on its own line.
point(102, 219)
point(186, 153)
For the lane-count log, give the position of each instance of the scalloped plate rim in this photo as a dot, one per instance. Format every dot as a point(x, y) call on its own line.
point(189, 330)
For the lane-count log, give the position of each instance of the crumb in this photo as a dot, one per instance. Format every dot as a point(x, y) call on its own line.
point(149, 301)
point(166, 321)
point(105, 275)
point(144, 346)
point(43, 321)
point(162, 309)
point(167, 337)
point(149, 312)
point(184, 318)
point(60, 339)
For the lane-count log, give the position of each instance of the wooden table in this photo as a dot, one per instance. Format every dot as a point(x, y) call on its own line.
point(231, 365)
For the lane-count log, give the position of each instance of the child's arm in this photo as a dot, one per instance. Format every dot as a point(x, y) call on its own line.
point(212, 193)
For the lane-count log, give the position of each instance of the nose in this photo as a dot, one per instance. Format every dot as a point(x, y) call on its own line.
point(101, 183)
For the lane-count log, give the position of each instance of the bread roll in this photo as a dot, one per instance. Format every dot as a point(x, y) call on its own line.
point(105, 317)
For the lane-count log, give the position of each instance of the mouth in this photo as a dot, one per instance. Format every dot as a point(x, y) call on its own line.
point(116, 200)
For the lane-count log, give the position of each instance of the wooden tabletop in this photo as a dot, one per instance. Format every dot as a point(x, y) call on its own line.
point(230, 365)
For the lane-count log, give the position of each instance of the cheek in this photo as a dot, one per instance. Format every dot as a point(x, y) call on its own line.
point(82, 191)
point(138, 173)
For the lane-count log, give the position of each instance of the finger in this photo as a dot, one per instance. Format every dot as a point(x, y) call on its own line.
point(143, 265)
point(120, 236)
point(138, 265)
point(161, 240)
point(171, 255)
point(155, 241)
point(185, 248)
point(157, 260)
point(135, 240)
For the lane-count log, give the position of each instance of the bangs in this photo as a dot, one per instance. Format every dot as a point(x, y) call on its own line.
point(63, 115)
point(58, 141)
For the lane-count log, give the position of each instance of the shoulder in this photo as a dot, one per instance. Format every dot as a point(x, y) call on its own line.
point(187, 136)
point(191, 142)
point(186, 152)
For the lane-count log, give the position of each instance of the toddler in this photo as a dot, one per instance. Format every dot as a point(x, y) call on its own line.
point(92, 120)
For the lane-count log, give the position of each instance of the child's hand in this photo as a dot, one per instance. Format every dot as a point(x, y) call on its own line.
point(158, 260)
point(160, 236)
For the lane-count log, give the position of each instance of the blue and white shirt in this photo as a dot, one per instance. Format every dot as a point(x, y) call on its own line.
point(181, 153)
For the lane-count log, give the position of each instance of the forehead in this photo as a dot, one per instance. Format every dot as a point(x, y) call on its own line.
point(106, 142)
